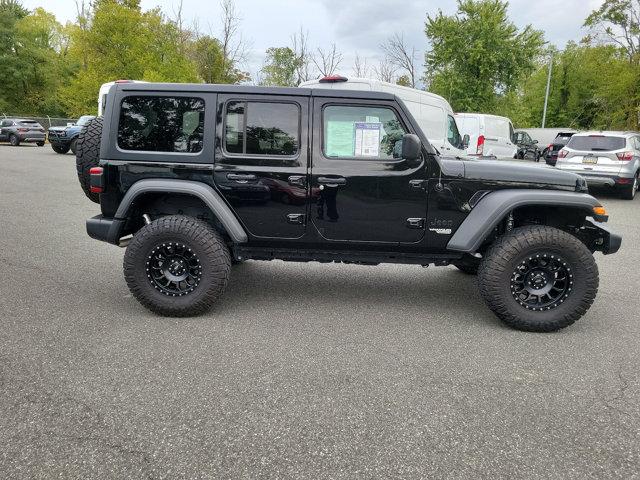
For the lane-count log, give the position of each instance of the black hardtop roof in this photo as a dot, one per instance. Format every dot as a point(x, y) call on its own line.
point(252, 90)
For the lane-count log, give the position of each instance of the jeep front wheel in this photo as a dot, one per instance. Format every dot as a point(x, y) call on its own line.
point(177, 266)
point(538, 279)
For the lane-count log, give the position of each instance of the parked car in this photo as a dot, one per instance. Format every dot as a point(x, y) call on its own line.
point(610, 159)
point(489, 135)
point(63, 139)
point(527, 147)
point(16, 131)
point(432, 112)
point(175, 168)
point(550, 153)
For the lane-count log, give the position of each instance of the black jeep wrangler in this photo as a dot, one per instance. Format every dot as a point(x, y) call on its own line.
point(195, 178)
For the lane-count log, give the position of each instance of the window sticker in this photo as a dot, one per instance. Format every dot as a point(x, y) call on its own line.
point(340, 139)
point(367, 139)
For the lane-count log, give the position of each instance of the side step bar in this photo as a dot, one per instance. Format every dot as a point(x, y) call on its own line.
point(241, 252)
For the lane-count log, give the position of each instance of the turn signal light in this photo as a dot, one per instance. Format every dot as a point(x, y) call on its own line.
point(480, 147)
point(599, 210)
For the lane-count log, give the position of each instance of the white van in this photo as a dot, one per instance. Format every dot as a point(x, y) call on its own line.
point(104, 89)
point(489, 135)
point(432, 112)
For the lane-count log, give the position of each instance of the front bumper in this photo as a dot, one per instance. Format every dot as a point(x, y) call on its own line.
point(607, 242)
point(105, 229)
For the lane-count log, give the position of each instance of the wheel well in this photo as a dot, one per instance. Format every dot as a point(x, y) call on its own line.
point(558, 216)
point(159, 204)
point(562, 217)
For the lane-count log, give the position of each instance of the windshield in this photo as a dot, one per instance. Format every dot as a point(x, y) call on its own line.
point(596, 143)
point(84, 120)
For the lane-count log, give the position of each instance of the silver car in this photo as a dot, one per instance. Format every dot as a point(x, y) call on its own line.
point(609, 159)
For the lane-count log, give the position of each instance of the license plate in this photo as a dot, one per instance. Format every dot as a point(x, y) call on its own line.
point(590, 159)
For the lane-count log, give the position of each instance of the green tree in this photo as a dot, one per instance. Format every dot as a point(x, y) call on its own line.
point(11, 12)
point(280, 67)
point(119, 40)
point(478, 55)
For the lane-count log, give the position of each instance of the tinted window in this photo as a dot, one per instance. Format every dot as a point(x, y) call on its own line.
point(161, 124)
point(262, 128)
point(362, 132)
point(29, 123)
point(453, 135)
point(596, 143)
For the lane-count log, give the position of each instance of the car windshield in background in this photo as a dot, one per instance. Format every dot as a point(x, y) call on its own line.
point(84, 120)
point(596, 143)
point(29, 123)
point(563, 138)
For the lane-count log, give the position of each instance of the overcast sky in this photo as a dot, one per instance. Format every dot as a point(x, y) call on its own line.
point(354, 25)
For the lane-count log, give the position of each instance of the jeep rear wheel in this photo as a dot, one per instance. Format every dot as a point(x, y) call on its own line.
point(73, 145)
point(538, 279)
point(88, 155)
point(177, 266)
point(14, 140)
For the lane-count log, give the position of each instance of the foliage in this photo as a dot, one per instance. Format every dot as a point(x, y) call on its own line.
point(478, 54)
point(280, 67)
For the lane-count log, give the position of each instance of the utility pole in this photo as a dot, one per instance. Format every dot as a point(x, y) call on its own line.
point(546, 96)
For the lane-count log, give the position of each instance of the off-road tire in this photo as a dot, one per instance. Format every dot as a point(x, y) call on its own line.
point(14, 140)
point(61, 149)
point(504, 256)
point(206, 244)
point(40, 144)
point(88, 155)
point(468, 265)
point(73, 145)
point(629, 192)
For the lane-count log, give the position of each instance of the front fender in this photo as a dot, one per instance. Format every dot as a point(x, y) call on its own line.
point(490, 211)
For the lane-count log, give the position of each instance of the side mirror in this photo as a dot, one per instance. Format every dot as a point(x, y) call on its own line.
point(535, 141)
point(411, 147)
point(465, 141)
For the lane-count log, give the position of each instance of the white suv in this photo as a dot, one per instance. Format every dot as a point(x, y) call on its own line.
point(610, 159)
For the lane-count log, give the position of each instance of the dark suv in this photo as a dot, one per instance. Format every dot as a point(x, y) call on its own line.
point(17, 131)
point(195, 178)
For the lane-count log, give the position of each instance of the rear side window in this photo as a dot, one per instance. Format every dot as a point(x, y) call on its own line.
point(262, 128)
point(597, 143)
point(361, 132)
point(161, 124)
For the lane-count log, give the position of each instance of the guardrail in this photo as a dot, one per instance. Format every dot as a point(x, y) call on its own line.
point(46, 121)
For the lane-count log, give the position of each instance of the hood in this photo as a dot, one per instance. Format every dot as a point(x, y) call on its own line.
point(58, 129)
point(510, 171)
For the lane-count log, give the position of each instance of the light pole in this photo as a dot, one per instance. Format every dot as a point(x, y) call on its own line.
point(546, 95)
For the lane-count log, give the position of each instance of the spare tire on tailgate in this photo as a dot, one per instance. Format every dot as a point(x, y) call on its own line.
point(88, 155)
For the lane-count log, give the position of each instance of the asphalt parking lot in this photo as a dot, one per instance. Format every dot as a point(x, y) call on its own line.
point(302, 370)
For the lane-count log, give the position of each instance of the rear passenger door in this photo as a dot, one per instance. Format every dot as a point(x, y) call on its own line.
point(261, 162)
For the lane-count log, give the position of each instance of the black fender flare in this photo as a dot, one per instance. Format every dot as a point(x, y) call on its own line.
point(492, 208)
point(187, 187)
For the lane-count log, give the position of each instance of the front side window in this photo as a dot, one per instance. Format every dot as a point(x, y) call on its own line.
point(262, 128)
point(453, 135)
point(161, 124)
point(362, 132)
